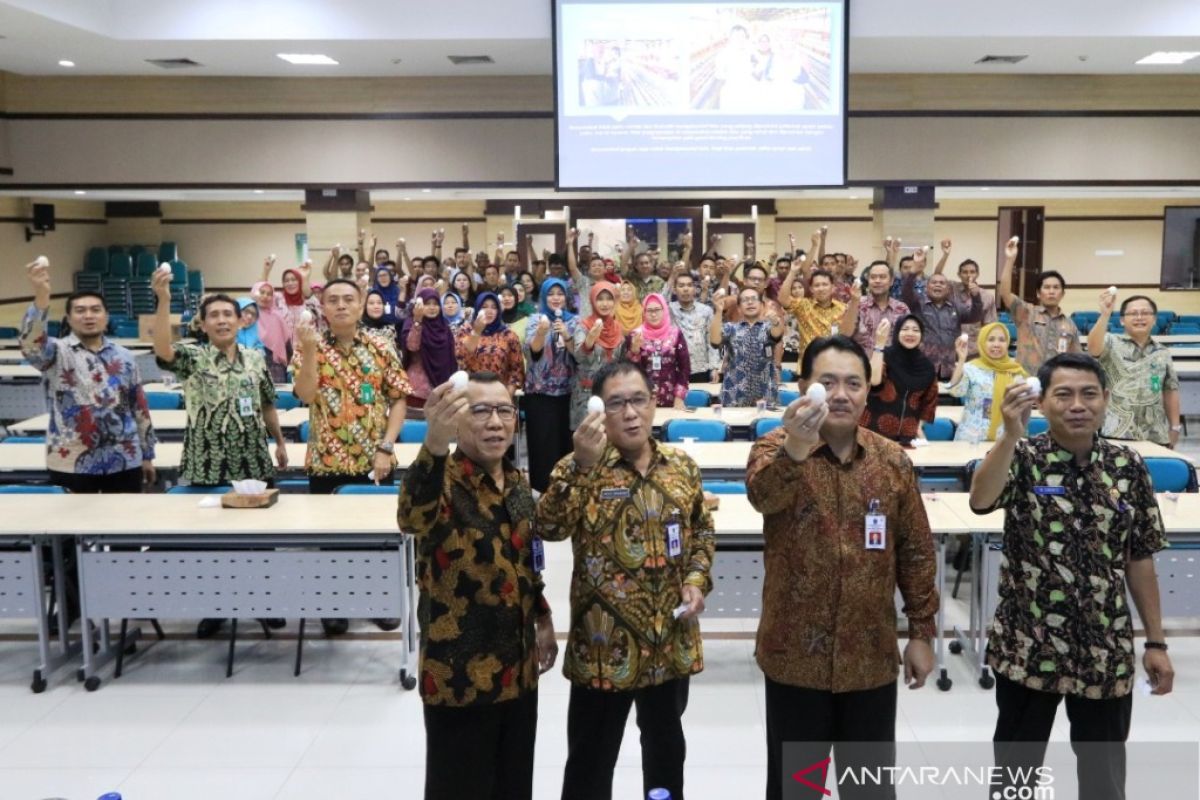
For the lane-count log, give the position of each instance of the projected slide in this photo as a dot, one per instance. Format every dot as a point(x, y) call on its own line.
point(683, 94)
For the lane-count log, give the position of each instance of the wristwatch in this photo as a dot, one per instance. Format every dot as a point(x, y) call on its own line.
point(386, 447)
point(1155, 645)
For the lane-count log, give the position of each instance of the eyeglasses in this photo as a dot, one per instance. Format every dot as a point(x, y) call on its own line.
point(1140, 313)
point(615, 405)
point(482, 412)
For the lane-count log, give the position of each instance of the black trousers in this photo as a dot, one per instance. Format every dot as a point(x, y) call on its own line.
point(548, 432)
point(481, 752)
point(1099, 729)
point(700, 377)
point(126, 482)
point(596, 725)
point(325, 484)
point(818, 721)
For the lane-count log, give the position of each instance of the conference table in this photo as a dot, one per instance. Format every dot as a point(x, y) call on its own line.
point(175, 556)
point(168, 423)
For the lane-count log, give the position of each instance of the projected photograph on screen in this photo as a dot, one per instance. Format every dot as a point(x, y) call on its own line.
point(661, 95)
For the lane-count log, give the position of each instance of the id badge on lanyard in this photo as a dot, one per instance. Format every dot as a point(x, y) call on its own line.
point(655, 362)
point(537, 551)
point(246, 406)
point(875, 528)
point(674, 539)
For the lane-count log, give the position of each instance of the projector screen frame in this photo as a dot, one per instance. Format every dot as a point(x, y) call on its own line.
point(558, 187)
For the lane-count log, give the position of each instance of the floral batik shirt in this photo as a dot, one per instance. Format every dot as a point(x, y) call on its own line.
point(1063, 623)
point(628, 578)
point(356, 388)
point(99, 420)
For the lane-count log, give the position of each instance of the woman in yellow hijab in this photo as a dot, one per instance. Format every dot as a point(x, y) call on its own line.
point(629, 308)
point(981, 384)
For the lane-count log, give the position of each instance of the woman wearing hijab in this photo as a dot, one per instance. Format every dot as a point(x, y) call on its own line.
point(598, 340)
point(660, 348)
point(904, 387)
point(428, 347)
point(629, 310)
point(455, 314)
point(376, 319)
point(549, 379)
point(389, 290)
point(274, 329)
point(489, 346)
point(981, 383)
point(511, 312)
point(248, 332)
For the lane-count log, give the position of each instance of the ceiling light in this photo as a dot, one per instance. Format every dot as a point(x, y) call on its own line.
point(427, 191)
point(307, 59)
point(985, 188)
point(407, 199)
point(66, 63)
point(258, 191)
point(1167, 57)
point(853, 197)
point(80, 191)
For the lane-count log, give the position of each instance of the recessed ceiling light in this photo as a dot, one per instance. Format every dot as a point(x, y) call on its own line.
point(80, 191)
point(427, 191)
point(258, 191)
point(66, 63)
point(408, 198)
point(853, 197)
point(1167, 57)
point(307, 59)
point(985, 188)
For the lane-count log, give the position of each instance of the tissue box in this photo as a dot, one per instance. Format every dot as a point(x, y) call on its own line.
point(232, 499)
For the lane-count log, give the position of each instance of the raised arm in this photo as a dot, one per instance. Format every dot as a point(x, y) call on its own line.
point(817, 250)
point(991, 477)
point(1004, 285)
point(785, 288)
point(499, 249)
point(403, 259)
point(572, 257)
point(164, 350)
point(716, 333)
point(1099, 331)
point(330, 268)
point(882, 333)
point(37, 347)
point(891, 251)
point(943, 258)
point(466, 237)
point(305, 387)
point(268, 265)
point(849, 323)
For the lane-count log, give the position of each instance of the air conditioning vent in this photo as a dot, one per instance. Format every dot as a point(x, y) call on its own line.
point(1001, 59)
point(465, 60)
point(173, 63)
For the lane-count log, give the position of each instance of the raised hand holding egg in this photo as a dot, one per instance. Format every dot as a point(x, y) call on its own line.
point(816, 393)
point(595, 405)
point(458, 381)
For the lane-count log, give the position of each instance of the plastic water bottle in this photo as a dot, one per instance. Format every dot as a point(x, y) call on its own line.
point(110, 796)
point(659, 794)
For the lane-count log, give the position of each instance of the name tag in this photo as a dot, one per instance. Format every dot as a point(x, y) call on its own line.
point(614, 494)
point(538, 552)
point(674, 540)
point(655, 362)
point(1050, 490)
point(875, 532)
point(246, 406)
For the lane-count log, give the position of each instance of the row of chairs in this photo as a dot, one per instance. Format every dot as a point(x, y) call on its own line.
point(128, 261)
point(173, 401)
point(1168, 322)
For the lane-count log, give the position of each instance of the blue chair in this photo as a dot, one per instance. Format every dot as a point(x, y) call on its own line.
point(96, 261)
point(31, 488)
point(1165, 318)
point(24, 440)
point(1189, 319)
point(940, 430)
point(120, 266)
point(292, 485)
point(368, 488)
point(724, 487)
point(144, 264)
point(1171, 474)
point(164, 401)
point(413, 431)
point(178, 274)
point(704, 430)
point(127, 330)
point(1038, 425)
point(199, 489)
point(9, 333)
point(697, 398)
point(303, 430)
point(286, 400)
point(1012, 331)
point(1185, 329)
point(787, 397)
point(788, 375)
point(168, 251)
point(764, 425)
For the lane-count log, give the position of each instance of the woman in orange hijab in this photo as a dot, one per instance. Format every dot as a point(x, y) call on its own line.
point(598, 340)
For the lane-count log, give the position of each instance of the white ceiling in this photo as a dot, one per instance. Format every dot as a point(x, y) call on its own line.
point(1171, 193)
point(241, 37)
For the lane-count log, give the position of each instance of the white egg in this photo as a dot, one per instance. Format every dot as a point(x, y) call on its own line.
point(1112, 290)
point(595, 405)
point(964, 338)
point(164, 268)
point(307, 317)
point(42, 261)
point(1035, 386)
point(272, 256)
point(459, 380)
point(816, 392)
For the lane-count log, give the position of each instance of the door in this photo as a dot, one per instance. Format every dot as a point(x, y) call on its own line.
point(1027, 222)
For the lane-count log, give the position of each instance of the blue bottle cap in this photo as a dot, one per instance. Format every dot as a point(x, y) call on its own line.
point(110, 796)
point(659, 794)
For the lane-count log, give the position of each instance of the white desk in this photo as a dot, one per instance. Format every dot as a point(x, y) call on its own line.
point(190, 562)
point(167, 422)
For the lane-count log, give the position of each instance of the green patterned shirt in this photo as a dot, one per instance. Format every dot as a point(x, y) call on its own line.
point(1063, 623)
point(226, 437)
point(1137, 378)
